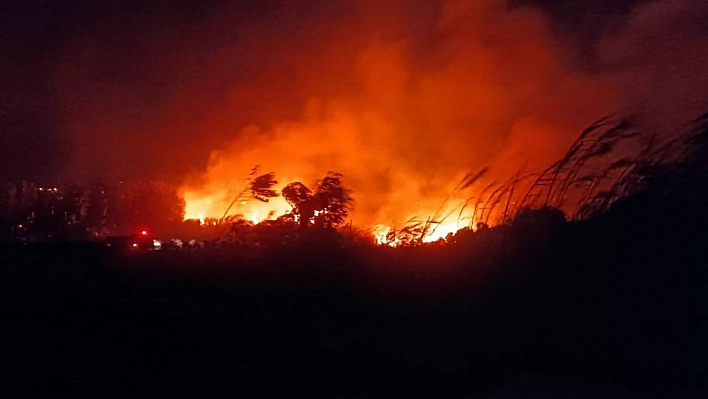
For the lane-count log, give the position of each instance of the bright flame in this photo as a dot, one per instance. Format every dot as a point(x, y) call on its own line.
point(380, 233)
point(441, 231)
point(195, 206)
point(207, 209)
point(202, 206)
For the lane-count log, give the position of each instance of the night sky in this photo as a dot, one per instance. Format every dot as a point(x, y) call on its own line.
point(125, 89)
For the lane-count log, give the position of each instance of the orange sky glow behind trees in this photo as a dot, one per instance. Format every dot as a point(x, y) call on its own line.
point(403, 132)
point(403, 97)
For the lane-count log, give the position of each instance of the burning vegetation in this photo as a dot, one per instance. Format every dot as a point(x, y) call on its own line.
point(435, 203)
point(440, 115)
point(406, 99)
point(611, 160)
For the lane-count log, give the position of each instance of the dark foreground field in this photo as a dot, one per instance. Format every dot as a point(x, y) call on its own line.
point(613, 307)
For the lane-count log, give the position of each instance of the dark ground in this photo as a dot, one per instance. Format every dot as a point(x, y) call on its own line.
point(616, 307)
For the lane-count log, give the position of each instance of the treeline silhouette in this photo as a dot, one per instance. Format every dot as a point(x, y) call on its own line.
point(29, 212)
point(611, 303)
point(73, 211)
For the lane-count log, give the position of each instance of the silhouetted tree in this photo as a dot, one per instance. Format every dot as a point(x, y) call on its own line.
point(299, 197)
point(259, 188)
point(326, 206)
point(153, 204)
point(262, 187)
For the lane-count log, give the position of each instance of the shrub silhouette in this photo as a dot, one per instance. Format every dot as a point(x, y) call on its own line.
point(546, 217)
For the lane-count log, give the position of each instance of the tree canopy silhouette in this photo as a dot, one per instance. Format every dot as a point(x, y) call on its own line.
point(327, 205)
point(259, 188)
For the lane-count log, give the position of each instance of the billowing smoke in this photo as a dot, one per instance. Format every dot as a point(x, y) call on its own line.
point(489, 91)
point(403, 98)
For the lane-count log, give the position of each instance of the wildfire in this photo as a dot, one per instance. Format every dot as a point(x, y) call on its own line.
point(203, 209)
point(386, 235)
point(381, 234)
point(404, 137)
point(442, 231)
point(199, 206)
point(403, 107)
point(451, 216)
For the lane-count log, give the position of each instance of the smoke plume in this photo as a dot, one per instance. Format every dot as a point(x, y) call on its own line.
point(403, 98)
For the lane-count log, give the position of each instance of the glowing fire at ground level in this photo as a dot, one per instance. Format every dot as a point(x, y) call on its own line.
point(386, 235)
point(255, 212)
point(201, 209)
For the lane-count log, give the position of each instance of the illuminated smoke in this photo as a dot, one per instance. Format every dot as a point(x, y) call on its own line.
point(404, 98)
point(492, 92)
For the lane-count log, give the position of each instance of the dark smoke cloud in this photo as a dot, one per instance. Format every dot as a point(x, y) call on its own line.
point(657, 62)
point(577, 26)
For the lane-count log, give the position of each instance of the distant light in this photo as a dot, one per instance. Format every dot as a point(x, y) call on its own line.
point(19, 226)
point(135, 245)
point(243, 202)
point(144, 232)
